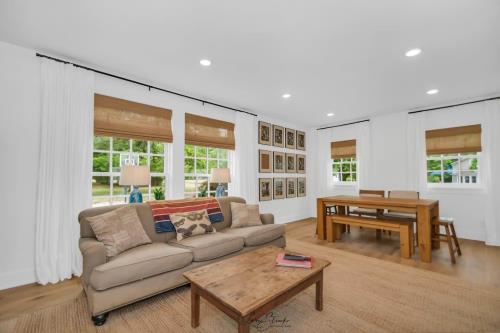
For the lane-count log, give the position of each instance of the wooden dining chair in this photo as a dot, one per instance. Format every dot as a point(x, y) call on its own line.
point(403, 216)
point(450, 236)
point(367, 211)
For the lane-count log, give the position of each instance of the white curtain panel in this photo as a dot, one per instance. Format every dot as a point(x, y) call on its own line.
point(244, 165)
point(324, 163)
point(65, 168)
point(490, 159)
point(416, 158)
point(363, 152)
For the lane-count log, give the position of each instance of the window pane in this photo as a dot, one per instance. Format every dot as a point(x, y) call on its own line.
point(188, 165)
point(202, 187)
point(336, 167)
point(121, 144)
point(222, 164)
point(189, 150)
point(201, 166)
point(100, 185)
point(100, 201)
point(157, 164)
point(119, 190)
point(100, 162)
point(346, 177)
point(354, 166)
point(336, 160)
point(143, 159)
point(450, 164)
point(449, 178)
point(468, 163)
point(157, 147)
point(116, 162)
point(354, 177)
point(139, 146)
point(211, 165)
point(223, 154)
point(212, 152)
point(101, 142)
point(201, 152)
point(158, 185)
point(434, 177)
point(119, 200)
point(189, 195)
point(336, 177)
point(433, 165)
point(346, 167)
point(145, 192)
point(189, 184)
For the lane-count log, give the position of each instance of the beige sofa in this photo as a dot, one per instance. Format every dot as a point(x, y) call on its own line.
point(151, 269)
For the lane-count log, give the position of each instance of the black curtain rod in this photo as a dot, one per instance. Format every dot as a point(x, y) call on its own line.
point(454, 105)
point(144, 84)
point(354, 122)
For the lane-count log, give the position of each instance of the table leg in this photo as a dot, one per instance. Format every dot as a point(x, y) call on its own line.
point(320, 219)
point(435, 228)
point(195, 307)
point(424, 233)
point(319, 293)
point(243, 326)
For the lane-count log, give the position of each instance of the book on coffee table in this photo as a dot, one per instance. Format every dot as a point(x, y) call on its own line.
point(281, 261)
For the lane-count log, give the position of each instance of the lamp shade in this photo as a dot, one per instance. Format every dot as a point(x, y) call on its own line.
point(135, 175)
point(220, 175)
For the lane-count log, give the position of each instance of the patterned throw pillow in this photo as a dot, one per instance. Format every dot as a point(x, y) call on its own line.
point(191, 224)
point(119, 230)
point(244, 215)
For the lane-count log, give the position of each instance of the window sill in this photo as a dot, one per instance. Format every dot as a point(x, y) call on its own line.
point(345, 184)
point(455, 189)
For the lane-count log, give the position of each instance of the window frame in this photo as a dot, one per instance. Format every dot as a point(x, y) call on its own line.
point(352, 161)
point(200, 176)
point(113, 199)
point(464, 185)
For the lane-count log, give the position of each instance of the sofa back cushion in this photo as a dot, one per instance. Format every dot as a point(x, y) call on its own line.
point(144, 213)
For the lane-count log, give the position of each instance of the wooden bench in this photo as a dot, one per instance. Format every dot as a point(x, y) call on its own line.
point(405, 229)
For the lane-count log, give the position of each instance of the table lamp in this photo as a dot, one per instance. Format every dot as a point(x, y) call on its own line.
point(220, 175)
point(135, 175)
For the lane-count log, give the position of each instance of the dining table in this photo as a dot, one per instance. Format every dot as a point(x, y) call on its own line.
point(426, 210)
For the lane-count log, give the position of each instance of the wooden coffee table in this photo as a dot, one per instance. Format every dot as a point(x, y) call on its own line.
point(248, 286)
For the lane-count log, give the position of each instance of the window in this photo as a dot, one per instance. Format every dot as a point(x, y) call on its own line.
point(198, 163)
point(345, 170)
point(459, 168)
point(110, 153)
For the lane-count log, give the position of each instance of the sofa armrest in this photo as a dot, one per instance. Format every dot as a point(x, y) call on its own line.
point(267, 218)
point(94, 254)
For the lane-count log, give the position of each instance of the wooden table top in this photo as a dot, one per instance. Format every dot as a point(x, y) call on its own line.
point(248, 281)
point(368, 200)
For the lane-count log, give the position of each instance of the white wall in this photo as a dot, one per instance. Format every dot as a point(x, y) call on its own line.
point(19, 133)
point(19, 128)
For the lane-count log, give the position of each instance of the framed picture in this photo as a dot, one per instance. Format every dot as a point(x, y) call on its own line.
point(279, 136)
point(301, 163)
point(279, 188)
point(265, 161)
point(265, 189)
point(265, 137)
point(290, 138)
point(290, 163)
point(301, 187)
point(279, 162)
point(301, 140)
point(291, 187)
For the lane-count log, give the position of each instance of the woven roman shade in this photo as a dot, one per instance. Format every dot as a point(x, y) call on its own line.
point(464, 139)
point(125, 119)
point(208, 132)
point(343, 149)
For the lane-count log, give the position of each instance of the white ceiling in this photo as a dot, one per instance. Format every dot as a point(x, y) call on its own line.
point(345, 57)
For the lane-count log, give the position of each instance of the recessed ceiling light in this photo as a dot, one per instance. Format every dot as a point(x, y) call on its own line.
point(432, 91)
point(205, 62)
point(413, 52)
point(330, 114)
point(285, 96)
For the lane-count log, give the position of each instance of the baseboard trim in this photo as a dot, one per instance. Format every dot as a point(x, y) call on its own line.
point(17, 278)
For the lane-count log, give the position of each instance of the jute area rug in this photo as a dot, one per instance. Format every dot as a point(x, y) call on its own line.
point(361, 294)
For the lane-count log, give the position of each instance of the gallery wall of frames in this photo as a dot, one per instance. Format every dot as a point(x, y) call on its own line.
point(273, 161)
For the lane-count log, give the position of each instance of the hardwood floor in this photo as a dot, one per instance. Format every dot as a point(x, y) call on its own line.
point(479, 264)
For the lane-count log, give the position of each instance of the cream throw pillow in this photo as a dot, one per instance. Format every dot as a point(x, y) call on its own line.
point(119, 230)
point(191, 224)
point(244, 215)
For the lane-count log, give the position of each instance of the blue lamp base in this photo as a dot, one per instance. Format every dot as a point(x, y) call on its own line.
point(219, 191)
point(135, 195)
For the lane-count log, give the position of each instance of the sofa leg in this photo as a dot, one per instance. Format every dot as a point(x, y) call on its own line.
point(99, 320)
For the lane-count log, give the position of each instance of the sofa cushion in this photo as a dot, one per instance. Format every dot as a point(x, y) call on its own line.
point(244, 215)
point(210, 246)
point(139, 263)
point(119, 230)
point(190, 224)
point(257, 235)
